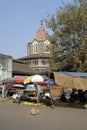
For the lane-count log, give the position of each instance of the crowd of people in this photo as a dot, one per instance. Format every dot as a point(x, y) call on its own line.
point(77, 95)
point(17, 98)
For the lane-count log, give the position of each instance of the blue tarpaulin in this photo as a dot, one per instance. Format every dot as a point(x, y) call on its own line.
point(50, 82)
point(78, 74)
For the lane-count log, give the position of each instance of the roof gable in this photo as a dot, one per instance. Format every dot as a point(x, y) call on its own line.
point(41, 34)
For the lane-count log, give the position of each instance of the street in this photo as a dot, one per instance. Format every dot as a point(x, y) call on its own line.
point(18, 117)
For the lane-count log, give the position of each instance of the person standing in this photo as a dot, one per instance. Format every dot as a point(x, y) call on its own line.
point(3, 90)
point(6, 89)
point(40, 98)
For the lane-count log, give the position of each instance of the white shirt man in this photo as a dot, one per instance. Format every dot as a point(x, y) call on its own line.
point(15, 96)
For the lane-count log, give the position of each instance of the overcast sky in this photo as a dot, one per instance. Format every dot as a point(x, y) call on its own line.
point(19, 22)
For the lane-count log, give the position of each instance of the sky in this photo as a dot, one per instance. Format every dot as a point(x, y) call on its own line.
point(19, 22)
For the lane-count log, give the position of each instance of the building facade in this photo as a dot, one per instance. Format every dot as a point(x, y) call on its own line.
point(5, 66)
point(38, 52)
point(39, 44)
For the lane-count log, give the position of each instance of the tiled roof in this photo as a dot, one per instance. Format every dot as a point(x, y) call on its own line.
point(33, 56)
point(41, 34)
point(40, 55)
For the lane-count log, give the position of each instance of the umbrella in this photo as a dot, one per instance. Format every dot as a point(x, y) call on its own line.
point(18, 86)
point(42, 83)
point(16, 79)
point(19, 79)
point(28, 80)
point(10, 80)
point(37, 78)
point(34, 78)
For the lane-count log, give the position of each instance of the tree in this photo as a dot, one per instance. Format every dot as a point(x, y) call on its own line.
point(69, 38)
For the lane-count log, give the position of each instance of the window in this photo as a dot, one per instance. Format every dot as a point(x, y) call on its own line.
point(35, 47)
point(46, 45)
point(35, 62)
point(44, 62)
point(29, 63)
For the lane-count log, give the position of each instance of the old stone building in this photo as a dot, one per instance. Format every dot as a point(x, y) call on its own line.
point(5, 66)
point(39, 44)
point(38, 52)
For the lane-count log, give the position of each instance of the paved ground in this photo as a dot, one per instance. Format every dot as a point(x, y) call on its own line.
point(18, 117)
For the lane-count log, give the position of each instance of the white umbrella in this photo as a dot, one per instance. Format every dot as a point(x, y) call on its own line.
point(37, 78)
point(18, 86)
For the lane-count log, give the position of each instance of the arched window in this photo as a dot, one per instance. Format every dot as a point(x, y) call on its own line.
point(35, 47)
point(46, 46)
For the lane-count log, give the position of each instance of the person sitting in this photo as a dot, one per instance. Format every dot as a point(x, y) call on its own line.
point(48, 101)
point(24, 97)
point(40, 98)
point(63, 98)
point(16, 98)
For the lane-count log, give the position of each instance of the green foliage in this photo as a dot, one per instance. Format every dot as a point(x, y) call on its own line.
point(69, 38)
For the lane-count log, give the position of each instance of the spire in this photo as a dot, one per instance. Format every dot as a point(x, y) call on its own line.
point(41, 34)
point(41, 22)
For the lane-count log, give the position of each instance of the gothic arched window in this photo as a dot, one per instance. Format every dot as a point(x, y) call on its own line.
point(46, 46)
point(35, 47)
